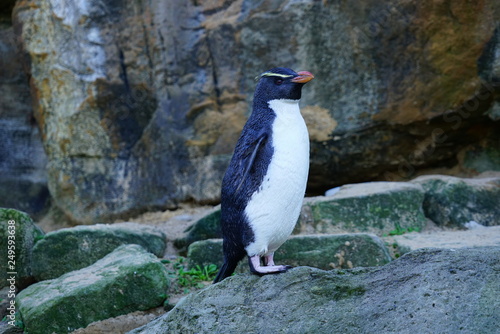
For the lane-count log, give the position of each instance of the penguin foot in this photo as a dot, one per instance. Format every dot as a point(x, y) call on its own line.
point(270, 268)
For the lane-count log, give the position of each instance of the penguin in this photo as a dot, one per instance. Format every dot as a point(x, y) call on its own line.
point(265, 182)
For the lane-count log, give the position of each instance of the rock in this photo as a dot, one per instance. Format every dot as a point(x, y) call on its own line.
point(207, 227)
point(319, 251)
point(425, 291)
point(74, 248)
point(122, 323)
point(5, 328)
point(17, 230)
point(477, 237)
point(23, 160)
point(140, 104)
point(482, 158)
point(375, 207)
point(452, 201)
point(129, 279)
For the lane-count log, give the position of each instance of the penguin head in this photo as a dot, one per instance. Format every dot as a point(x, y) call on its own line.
point(281, 83)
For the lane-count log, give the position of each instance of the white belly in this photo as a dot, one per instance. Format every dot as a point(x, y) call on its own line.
point(274, 208)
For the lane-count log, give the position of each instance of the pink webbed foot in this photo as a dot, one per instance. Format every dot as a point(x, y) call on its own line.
point(268, 268)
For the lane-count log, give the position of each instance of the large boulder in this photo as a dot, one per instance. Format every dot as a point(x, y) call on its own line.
point(140, 103)
point(425, 291)
point(18, 235)
point(74, 248)
point(454, 202)
point(319, 251)
point(375, 207)
point(127, 280)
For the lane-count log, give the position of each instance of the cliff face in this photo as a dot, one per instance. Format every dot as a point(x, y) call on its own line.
point(23, 183)
point(140, 104)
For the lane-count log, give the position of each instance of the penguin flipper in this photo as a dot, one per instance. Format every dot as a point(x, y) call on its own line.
point(250, 158)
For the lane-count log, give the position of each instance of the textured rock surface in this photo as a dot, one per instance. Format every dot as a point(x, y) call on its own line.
point(127, 280)
point(319, 251)
point(74, 248)
point(140, 103)
point(207, 227)
point(26, 233)
point(427, 291)
point(476, 237)
point(23, 181)
point(375, 207)
point(451, 201)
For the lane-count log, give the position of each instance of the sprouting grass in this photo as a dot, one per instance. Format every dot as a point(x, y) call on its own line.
point(189, 279)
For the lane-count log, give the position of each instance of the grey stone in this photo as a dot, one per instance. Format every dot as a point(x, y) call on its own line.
point(452, 201)
point(129, 279)
point(477, 237)
point(18, 234)
point(77, 247)
point(425, 291)
point(320, 251)
point(374, 207)
point(5, 328)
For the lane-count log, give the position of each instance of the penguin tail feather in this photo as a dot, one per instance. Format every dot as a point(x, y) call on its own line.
point(226, 270)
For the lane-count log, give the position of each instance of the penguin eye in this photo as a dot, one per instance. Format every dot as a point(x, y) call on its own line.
point(278, 81)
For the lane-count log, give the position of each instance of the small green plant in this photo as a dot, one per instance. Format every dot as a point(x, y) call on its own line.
point(192, 278)
point(196, 275)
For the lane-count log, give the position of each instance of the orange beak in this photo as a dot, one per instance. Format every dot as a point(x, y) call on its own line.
point(303, 77)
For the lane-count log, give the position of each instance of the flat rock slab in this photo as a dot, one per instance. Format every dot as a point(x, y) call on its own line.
point(453, 201)
point(74, 248)
point(477, 237)
point(18, 234)
point(320, 251)
point(129, 279)
point(425, 291)
point(374, 207)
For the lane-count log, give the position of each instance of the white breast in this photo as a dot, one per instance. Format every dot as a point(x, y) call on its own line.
point(274, 208)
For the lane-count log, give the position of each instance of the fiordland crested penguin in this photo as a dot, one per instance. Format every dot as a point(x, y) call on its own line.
point(264, 185)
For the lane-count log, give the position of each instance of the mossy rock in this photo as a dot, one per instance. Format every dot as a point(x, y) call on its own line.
point(374, 207)
point(320, 251)
point(207, 227)
point(19, 225)
point(453, 201)
point(127, 280)
point(74, 248)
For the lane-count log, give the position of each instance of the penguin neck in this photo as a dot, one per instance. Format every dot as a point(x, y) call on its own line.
point(285, 108)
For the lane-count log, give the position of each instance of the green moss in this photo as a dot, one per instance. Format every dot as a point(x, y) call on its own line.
point(207, 227)
point(337, 291)
point(127, 280)
point(377, 213)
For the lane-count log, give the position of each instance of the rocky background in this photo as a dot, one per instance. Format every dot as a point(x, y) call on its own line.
point(112, 108)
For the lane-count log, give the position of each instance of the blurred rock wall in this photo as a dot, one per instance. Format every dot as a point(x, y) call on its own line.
point(23, 181)
point(140, 103)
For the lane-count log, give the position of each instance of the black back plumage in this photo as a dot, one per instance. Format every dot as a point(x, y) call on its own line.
point(249, 164)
